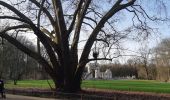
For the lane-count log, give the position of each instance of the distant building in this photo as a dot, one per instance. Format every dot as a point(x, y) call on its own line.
point(108, 74)
point(93, 72)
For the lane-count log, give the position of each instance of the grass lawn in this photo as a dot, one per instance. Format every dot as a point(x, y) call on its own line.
point(128, 85)
point(41, 84)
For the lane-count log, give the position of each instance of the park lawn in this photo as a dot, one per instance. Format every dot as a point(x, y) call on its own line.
point(129, 85)
point(125, 85)
point(40, 84)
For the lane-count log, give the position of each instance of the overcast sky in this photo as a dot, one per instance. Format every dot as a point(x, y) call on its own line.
point(163, 28)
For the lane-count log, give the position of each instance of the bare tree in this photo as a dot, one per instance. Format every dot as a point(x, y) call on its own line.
point(60, 25)
point(19, 65)
point(162, 59)
point(162, 52)
point(145, 56)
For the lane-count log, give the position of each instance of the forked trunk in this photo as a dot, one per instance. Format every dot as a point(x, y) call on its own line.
point(67, 83)
point(73, 84)
point(69, 86)
point(59, 84)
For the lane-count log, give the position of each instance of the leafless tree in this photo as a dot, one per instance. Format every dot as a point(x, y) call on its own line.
point(162, 58)
point(19, 65)
point(62, 25)
point(144, 58)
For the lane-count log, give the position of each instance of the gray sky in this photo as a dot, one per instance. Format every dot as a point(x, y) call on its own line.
point(163, 28)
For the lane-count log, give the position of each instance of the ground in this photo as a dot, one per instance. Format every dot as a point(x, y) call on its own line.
point(18, 97)
point(95, 90)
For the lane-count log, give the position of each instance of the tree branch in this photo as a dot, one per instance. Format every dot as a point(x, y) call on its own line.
point(91, 19)
point(60, 18)
point(16, 27)
point(88, 25)
point(38, 25)
point(54, 24)
point(45, 11)
point(74, 17)
point(99, 59)
point(116, 7)
point(103, 40)
point(144, 13)
point(43, 38)
point(14, 18)
point(80, 18)
point(39, 13)
point(15, 11)
point(27, 26)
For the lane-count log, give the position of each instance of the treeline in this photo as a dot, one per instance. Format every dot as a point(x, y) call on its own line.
point(119, 70)
point(16, 65)
point(126, 70)
point(150, 64)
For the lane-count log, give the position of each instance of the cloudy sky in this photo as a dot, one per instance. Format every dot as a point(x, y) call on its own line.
point(149, 5)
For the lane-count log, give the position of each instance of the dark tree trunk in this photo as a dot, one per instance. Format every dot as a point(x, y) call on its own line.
point(68, 86)
point(15, 81)
point(58, 80)
point(69, 83)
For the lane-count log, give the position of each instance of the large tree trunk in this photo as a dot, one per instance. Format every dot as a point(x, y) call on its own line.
point(73, 84)
point(70, 83)
point(58, 80)
point(68, 86)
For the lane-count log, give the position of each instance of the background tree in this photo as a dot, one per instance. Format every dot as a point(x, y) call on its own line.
point(145, 56)
point(59, 25)
point(20, 64)
point(2, 69)
point(134, 63)
point(162, 59)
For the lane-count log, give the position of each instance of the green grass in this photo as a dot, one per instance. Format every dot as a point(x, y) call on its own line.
point(42, 84)
point(127, 85)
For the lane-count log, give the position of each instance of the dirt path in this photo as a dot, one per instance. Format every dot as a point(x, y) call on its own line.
point(18, 97)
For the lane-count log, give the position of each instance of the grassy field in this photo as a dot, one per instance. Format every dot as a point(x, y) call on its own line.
point(42, 84)
point(128, 85)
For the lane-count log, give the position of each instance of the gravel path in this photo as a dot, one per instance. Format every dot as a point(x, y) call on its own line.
point(18, 97)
